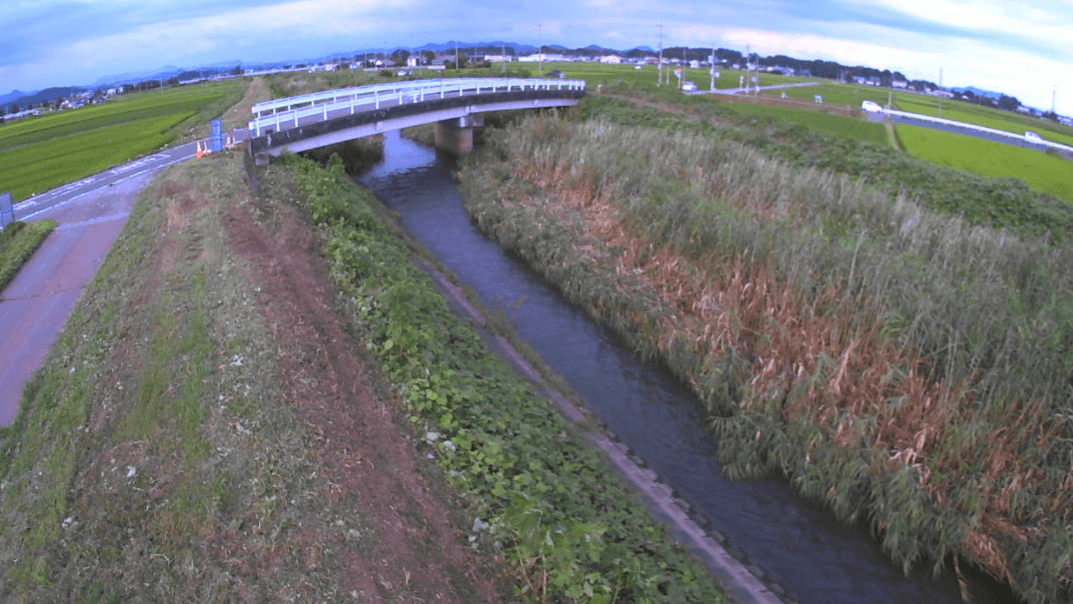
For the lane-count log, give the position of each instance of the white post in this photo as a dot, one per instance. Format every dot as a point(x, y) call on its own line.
point(376, 98)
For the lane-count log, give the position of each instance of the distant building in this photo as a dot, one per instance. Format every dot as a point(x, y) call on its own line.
point(694, 64)
point(611, 59)
point(900, 84)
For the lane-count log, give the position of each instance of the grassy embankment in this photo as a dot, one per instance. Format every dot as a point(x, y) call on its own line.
point(176, 444)
point(900, 366)
point(1000, 203)
point(37, 154)
point(549, 504)
point(17, 243)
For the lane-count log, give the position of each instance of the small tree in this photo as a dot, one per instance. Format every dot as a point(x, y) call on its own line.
point(14, 108)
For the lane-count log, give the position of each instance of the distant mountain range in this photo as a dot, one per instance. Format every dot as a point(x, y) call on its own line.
point(35, 99)
point(13, 96)
point(979, 92)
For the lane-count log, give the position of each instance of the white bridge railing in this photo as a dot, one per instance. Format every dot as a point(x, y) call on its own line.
point(983, 129)
point(288, 112)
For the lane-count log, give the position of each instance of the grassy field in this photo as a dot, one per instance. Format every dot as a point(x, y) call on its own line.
point(37, 154)
point(17, 243)
point(853, 94)
point(842, 126)
point(850, 95)
point(985, 116)
point(598, 73)
point(1042, 171)
point(899, 366)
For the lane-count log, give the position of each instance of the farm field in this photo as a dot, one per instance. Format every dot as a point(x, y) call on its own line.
point(853, 95)
point(985, 116)
point(599, 73)
point(834, 94)
point(1043, 172)
point(37, 154)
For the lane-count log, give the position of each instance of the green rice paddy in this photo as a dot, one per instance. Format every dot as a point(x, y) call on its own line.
point(1042, 171)
point(37, 154)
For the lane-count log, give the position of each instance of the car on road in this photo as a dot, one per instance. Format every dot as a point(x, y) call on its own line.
point(689, 86)
point(1033, 137)
point(556, 74)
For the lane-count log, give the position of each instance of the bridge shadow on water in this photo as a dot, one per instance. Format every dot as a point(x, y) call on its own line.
point(816, 559)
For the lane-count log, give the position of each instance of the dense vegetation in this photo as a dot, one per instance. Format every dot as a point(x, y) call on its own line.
point(39, 153)
point(901, 365)
point(1000, 203)
point(546, 503)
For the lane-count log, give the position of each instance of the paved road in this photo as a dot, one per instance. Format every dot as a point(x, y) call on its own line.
point(35, 305)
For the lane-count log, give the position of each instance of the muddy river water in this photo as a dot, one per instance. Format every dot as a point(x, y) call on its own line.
point(815, 558)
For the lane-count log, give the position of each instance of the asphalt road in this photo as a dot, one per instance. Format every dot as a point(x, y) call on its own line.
point(35, 304)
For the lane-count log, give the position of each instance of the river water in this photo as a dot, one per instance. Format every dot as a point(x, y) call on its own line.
point(815, 558)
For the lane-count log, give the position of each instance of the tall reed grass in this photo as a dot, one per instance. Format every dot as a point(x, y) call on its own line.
point(902, 366)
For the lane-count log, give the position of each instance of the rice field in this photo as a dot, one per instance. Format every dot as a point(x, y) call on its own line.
point(37, 154)
point(1041, 171)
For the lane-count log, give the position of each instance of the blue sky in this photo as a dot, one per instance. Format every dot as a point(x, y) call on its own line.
point(1015, 47)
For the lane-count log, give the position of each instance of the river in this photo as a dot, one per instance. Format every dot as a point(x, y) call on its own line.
point(815, 558)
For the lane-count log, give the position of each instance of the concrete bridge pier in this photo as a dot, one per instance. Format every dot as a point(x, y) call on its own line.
point(455, 136)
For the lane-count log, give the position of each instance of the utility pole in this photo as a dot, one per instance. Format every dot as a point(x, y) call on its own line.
point(1054, 91)
point(711, 68)
point(503, 54)
point(890, 91)
point(940, 92)
point(456, 55)
point(659, 65)
point(540, 56)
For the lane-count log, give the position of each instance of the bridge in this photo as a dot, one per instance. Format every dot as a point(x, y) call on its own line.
point(324, 118)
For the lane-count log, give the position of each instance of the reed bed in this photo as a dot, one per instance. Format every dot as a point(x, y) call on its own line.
point(902, 366)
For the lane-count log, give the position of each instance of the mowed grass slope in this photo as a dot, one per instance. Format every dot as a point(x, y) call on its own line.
point(40, 153)
point(1042, 171)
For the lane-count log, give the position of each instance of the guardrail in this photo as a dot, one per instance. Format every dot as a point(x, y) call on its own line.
point(290, 111)
point(984, 129)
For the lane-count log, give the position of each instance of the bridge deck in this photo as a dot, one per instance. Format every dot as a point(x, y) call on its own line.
point(323, 118)
point(282, 114)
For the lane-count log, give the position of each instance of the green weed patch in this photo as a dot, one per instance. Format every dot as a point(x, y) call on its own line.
point(559, 517)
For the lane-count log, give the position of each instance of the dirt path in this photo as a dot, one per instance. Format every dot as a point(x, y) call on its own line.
point(362, 452)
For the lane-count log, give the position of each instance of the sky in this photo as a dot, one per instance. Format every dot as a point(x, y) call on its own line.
point(1019, 48)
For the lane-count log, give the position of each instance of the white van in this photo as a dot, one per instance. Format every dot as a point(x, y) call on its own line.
point(1032, 137)
point(689, 87)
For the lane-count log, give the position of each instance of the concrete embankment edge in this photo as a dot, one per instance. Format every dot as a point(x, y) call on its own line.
point(737, 581)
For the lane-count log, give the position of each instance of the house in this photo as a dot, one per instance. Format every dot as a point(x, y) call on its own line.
point(611, 59)
point(498, 58)
point(946, 94)
point(860, 80)
point(694, 64)
point(900, 84)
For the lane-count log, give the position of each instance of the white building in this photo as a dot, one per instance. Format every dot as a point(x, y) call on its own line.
point(900, 84)
point(611, 59)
